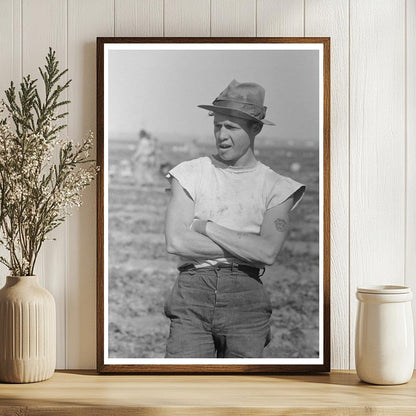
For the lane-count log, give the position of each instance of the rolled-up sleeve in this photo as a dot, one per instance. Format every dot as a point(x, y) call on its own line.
point(283, 189)
point(188, 175)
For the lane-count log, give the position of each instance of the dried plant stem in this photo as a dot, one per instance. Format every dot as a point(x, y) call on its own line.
point(36, 194)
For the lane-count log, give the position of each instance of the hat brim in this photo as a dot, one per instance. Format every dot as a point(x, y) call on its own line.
point(235, 113)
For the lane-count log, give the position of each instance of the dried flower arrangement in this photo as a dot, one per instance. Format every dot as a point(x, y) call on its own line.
point(42, 176)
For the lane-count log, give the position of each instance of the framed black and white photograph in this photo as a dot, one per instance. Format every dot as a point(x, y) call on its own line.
point(213, 205)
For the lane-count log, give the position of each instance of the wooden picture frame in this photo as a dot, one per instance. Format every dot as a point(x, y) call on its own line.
point(299, 70)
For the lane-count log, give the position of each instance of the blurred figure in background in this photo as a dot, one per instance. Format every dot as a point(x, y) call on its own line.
point(144, 159)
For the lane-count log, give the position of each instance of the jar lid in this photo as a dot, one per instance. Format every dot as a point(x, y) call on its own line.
point(384, 289)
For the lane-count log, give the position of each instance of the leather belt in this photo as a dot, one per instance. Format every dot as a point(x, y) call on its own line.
point(232, 266)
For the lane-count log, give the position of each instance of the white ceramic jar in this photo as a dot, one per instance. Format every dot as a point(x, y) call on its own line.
point(384, 337)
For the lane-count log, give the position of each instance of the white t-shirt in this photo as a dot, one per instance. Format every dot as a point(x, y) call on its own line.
point(236, 198)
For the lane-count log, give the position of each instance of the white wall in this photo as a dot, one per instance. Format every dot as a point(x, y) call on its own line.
point(373, 132)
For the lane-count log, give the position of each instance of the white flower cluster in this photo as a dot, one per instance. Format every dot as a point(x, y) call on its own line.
point(41, 178)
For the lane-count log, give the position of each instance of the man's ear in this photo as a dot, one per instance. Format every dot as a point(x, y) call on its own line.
point(257, 127)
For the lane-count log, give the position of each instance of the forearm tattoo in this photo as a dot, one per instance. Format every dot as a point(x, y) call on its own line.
point(281, 225)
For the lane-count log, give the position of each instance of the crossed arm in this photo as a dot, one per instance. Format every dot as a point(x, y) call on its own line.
point(208, 240)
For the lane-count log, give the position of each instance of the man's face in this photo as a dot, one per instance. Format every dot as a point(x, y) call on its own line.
point(233, 136)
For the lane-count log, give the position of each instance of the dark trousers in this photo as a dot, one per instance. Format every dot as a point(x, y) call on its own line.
point(218, 313)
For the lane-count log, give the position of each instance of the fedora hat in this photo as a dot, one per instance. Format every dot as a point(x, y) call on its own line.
point(241, 99)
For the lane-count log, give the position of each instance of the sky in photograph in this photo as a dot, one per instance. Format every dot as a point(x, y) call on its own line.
point(160, 90)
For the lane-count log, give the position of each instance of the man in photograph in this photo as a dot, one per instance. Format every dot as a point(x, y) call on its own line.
point(227, 219)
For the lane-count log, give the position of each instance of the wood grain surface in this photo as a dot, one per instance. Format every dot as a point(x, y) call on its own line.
point(138, 17)
point(330, 18)
point(84, 392)
point(186, 18)
point(233, 18)
point(410, 261)
point(10, 66)
point(85, 19)
point(377, 148)
point(280, 18)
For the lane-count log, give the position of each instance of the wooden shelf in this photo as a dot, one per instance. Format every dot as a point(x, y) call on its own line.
point(86, 393)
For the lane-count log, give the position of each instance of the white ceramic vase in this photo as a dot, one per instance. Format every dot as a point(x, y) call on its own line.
point(384, 339)
point(27, 331)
